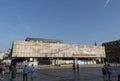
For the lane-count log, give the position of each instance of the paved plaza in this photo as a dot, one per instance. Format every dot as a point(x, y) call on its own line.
point(47, 73)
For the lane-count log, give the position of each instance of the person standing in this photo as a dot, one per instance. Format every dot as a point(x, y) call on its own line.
point(78, 67)
point(25, 73)
point(104, 72)
point(109, 71)
point(13, 72)
point(3, 71)
point(32, 70)
point(73, 66)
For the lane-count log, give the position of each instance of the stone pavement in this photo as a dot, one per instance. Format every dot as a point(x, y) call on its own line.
point(67, 74)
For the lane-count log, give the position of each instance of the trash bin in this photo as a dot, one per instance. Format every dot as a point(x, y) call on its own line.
point(119, 77)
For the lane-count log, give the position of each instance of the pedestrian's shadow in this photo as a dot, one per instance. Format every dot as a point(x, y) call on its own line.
point(76, 76)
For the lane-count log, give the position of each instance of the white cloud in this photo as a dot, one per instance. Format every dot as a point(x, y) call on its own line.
point(107, 1)
point(21, 21)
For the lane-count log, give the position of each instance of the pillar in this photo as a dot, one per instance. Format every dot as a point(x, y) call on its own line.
point(76, 61)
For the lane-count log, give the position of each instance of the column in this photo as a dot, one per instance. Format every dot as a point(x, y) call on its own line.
point(76, 62)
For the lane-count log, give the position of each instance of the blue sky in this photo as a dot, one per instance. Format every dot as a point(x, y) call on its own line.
point(74, 21)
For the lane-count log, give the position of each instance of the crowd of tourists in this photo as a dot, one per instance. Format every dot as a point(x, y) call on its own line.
point(13, 71)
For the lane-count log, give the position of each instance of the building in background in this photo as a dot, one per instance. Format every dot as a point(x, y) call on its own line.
point(49, 51)
point(4, 56)
point(1, 55)
point(112, 49)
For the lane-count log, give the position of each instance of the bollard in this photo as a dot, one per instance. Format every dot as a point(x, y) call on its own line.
point(119, 77)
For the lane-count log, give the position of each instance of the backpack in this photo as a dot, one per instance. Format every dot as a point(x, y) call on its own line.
point(32, 69)
point(103, 70)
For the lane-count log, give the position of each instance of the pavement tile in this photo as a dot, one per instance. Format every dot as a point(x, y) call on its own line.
point(67, 74)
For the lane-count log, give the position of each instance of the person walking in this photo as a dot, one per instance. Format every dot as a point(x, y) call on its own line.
point(13, 72)
point(25, 73)
point(32, 70)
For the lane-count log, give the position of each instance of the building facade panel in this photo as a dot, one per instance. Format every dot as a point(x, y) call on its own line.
point(112, 49)
point(40, 49)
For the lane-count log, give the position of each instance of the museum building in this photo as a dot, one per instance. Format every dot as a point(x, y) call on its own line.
point(55, 52)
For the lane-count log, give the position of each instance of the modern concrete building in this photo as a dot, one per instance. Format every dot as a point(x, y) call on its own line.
point(54, 52)
point(112, 49)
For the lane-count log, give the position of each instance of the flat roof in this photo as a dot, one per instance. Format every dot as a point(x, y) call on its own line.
point(111, 42)
point(44, 40)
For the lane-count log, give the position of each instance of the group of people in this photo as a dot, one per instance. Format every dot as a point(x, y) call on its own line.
point(106, 71)
point(26, 70)
point(75, 67)
point(13, 72)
